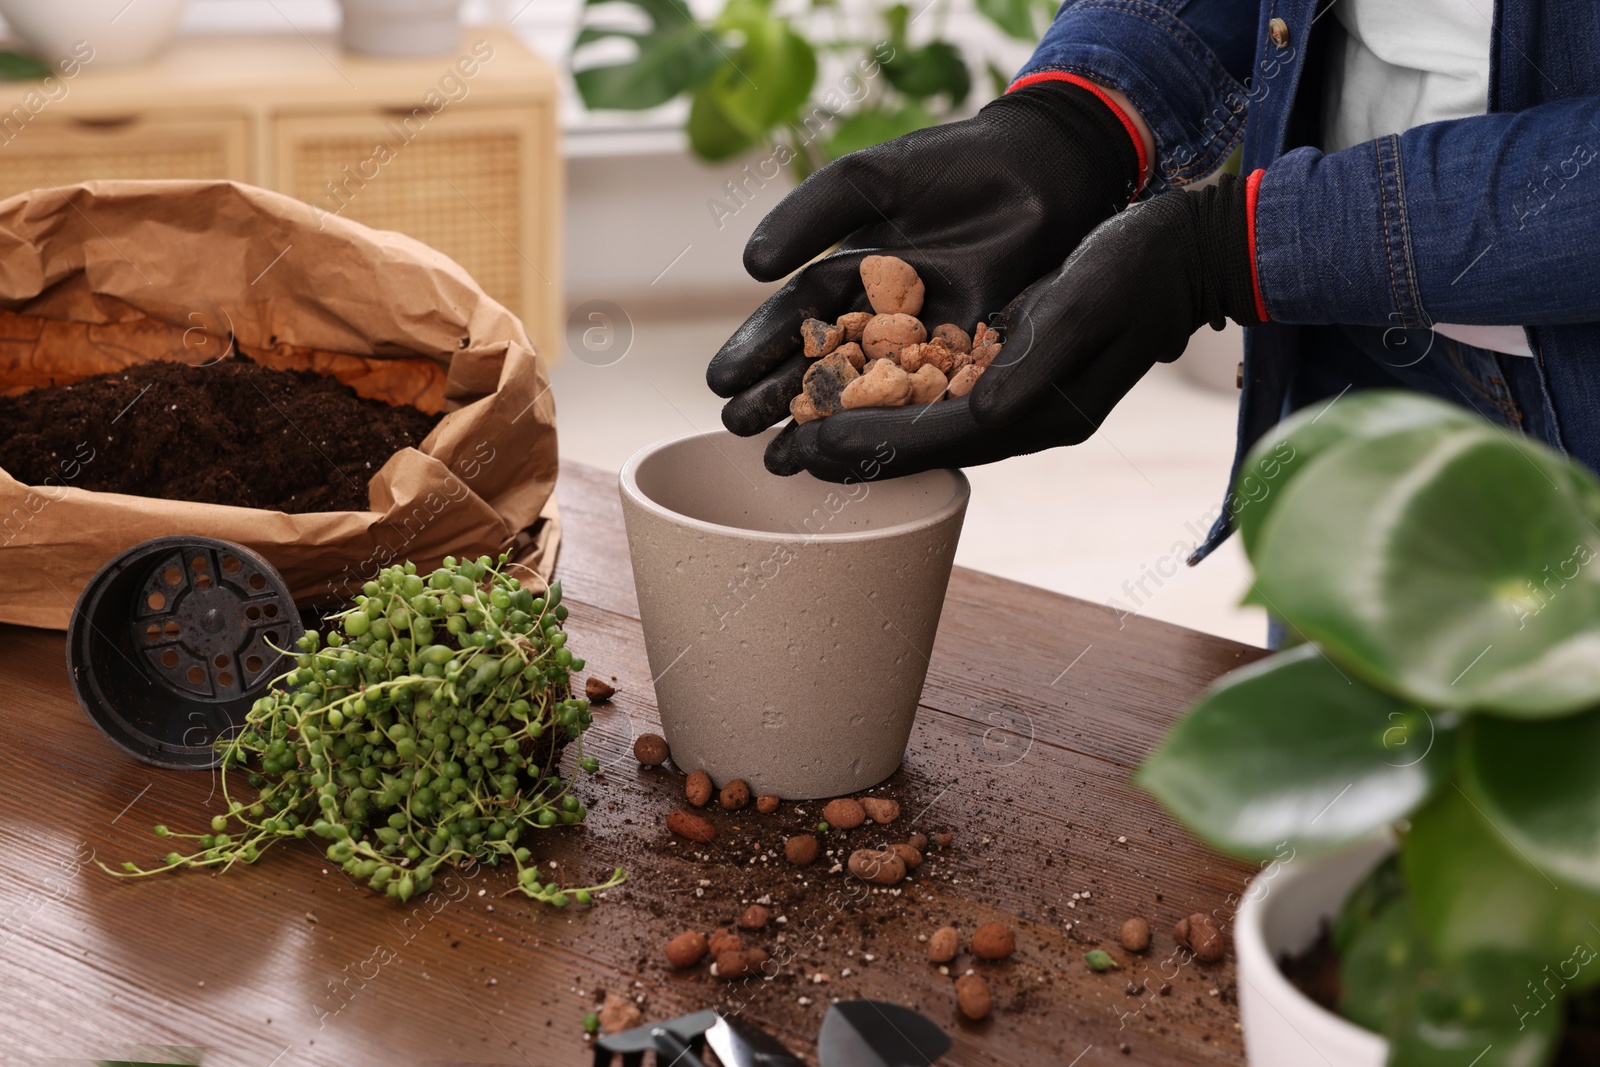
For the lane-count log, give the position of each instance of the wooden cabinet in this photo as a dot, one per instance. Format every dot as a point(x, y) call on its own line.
point(460, 151)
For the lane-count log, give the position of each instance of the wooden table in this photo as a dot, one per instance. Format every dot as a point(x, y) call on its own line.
point(1037, 707)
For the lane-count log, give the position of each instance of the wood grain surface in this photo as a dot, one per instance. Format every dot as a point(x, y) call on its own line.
point(1036, 708)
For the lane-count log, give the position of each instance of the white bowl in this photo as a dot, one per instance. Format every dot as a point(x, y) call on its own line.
point(119, 32)
point(1282, 914)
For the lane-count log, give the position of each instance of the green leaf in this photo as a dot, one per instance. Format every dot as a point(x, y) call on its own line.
point(1539, 784)
point(17, 67)
point(1368, 901)
point(1479, 1012)
point(1023, 19)
point(1289, 447)
point(711, 136)
point(1470, 892)
point(676, 55)
point(1381, 958)
point(1447, 564)
point(928, 71)
point(1291, 752)
point(769, 78)
point(874, 126)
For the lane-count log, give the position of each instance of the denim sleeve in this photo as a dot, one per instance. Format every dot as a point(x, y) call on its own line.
point(1489, 220)
point(1182, 63)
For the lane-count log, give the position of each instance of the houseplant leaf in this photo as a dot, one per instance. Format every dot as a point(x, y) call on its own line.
point(675, 55)
point(1291, 750)
point(1446, 564)
point(1472, 1013)
point(874, 126)
point(1552, 814)
point(935, 68)
point(768, 79)
point(1471, 892)
point(1023, 19)
point(1287, 449)
point(711, 136)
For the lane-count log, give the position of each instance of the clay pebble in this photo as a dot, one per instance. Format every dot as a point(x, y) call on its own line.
point(1135, 935)
point(884, 385)
point(878, 866)
point(694, 827)
point(1200, 934)
point(954, 337)
point(853, 322)
point(963, 380)
point(687, 949)
point(844, 813)
point(598, 690)
point(826, 379)
point(801, 849)
point(698, 788)
point(886, 335)
point(892, 284)
point(880, 809)
point(651, 750)
point(944, 944)
point(928, 384)
point(767, 805)
point(993, 941)
point(972, 997)
point(734, 795)
point(819, 338)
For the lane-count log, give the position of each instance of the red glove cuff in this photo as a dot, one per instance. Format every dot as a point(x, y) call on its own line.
point(1100, 94)
point(1252, 189)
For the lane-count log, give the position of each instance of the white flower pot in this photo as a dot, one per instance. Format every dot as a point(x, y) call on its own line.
point(114, 33)
point(400, 27)
point(1282, 914)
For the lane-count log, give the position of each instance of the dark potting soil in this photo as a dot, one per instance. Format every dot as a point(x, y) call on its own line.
point(234, 432)
point(1315, 972)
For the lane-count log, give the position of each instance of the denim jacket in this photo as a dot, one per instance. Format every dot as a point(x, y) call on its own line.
point(1493, 219)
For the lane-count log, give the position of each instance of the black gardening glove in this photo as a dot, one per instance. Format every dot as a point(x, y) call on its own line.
point(980, 208)
point(1074, 344)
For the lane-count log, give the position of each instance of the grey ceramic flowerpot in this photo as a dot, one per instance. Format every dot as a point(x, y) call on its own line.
point(788, 621)
point(400, 28)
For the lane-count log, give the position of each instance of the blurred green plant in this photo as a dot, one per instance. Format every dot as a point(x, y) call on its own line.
point(751, 73)
point(1437, 574)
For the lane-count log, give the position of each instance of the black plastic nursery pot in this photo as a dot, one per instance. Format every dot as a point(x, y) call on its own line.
point(173, 640)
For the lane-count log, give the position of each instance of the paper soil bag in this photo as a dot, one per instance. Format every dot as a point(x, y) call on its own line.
point(99, 276)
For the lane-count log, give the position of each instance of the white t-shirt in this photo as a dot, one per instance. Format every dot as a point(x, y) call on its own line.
point(1407, 63)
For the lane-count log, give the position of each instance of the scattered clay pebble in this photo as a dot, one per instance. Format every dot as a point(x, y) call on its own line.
point(919, 841)
point(954, 337)
point(972, 996)
point(687, 949)
point(944, 944)
point(982, 357)
point(754, 917)
point(844, 813)
point(698, 788)
point(820, 338)
point(886, 335)
point(993, 941)
point(800, 849)
point(852, 352)
point(826, 379)
point(984, 335)
point(853, 322)
point(734, 795)
point(687, 824)
point(879, 809)
point(908, 856)
point(651, 750)
point(803, 409)
point(944, 840)
point(880, 867)
point(767, 805)
point(598, 691)
point(964, 379)
point(892, 285)
point(1135, 935)
point(723, 940)
point(739, 963)
point(1200, 934)
point(619, 1014)
point(884, 385)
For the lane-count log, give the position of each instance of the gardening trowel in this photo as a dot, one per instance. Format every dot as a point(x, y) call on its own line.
point(678, 1042)
point(871, 1033)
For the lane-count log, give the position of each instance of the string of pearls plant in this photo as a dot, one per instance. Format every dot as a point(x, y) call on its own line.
point(424, 730)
